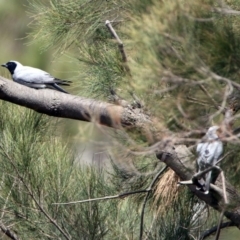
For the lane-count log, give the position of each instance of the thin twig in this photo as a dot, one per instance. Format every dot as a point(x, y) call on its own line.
point(122, 195)
point(226, 11)
point(120, 43)
point(146, 198)
point(197, 101)
point(209, 96)
point(224, 188)
point(6, 200)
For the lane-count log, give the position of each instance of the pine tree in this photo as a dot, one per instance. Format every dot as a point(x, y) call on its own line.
point(158, 74)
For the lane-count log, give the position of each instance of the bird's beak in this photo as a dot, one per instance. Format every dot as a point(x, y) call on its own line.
point(3, 65)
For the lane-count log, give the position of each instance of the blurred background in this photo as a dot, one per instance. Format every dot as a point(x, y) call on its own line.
point(15, 45)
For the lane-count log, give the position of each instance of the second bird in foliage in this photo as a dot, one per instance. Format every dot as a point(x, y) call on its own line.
point(34, 77)
point(209, 152)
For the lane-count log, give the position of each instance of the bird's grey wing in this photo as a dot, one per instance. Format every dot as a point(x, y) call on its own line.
point(208, 179)
point(36, 75)
point(37, 78)
point(203, 155)
point(199, 147)
point(32, 75)
point(62, 82)
point(215, 150)
point(201, 163)
point(210, 154)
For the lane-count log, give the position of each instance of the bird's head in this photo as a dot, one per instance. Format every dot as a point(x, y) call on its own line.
point(11, 66)
point(213, 132)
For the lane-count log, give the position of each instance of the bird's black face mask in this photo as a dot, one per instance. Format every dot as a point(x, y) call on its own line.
point(11, 66)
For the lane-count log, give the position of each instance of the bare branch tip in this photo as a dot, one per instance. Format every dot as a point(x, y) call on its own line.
point(107, 22)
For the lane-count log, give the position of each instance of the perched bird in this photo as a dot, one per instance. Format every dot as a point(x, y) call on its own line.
point(209, 152)
point(34, 77)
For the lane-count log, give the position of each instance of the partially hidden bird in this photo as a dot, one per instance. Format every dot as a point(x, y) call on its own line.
point(34, 77)
point(209, 152)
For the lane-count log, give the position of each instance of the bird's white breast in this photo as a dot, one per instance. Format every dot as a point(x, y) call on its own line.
point(209, 152)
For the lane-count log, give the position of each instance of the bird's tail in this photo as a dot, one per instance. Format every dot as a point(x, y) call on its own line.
point(208, 181)
point(62, 82)
point(56, 87)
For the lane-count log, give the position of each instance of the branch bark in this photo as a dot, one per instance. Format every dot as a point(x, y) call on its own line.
point(63, 105)
point(8, 232)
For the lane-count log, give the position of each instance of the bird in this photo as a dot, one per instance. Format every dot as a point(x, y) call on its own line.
point(34, 77)
point(209, 152)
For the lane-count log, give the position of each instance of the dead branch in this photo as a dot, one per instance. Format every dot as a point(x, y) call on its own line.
point(120, 43)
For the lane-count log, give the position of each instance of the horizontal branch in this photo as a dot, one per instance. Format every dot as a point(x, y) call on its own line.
point(57, 104)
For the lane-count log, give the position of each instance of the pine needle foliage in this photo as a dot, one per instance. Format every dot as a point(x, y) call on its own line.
point(175, 223)
point(80, 25)
point(178, 44)
point(104, 69)
point(179, 51)
point(37, 170)
point(63, 23)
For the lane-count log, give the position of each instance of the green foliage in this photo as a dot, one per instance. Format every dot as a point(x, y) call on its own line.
point(62, 23)
point(104, 69)
point(175, 223)
point(37, 171)
point(171, 46)
point(231, 164)
point(177, 44)
point(174, 48)
point(80, 25)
